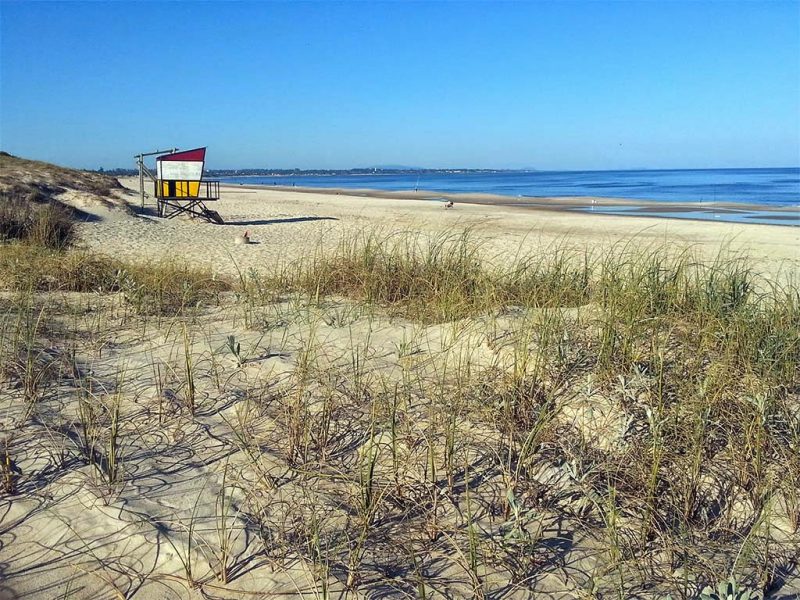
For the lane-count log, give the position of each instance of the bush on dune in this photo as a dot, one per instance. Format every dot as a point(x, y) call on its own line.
point(29, 219)
point(37, 230)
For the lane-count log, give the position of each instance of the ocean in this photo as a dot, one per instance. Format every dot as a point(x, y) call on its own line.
point(777, 188)
point(768, 187)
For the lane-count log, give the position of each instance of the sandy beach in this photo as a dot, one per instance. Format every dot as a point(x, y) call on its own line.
point(490, 301)
point(285, 224)
point(258, 442)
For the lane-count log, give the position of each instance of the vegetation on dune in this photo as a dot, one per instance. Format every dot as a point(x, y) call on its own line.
point(30, 217)
point(163, 287)
point(22, 176)
point(619, 424)
point(36, 231)
point(638, 296)
point(30, 208)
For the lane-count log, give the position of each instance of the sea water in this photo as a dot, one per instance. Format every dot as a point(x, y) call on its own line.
point(770, 188)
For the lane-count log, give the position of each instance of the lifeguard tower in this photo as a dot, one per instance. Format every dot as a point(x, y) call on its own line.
point(179, 184)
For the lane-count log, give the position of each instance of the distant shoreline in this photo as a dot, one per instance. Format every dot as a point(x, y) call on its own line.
point(723, 211)
point(360, 172)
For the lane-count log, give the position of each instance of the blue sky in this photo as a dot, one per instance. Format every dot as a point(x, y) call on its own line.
point(563, 85)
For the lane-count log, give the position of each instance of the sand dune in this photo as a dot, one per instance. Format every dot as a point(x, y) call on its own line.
point(288, 445)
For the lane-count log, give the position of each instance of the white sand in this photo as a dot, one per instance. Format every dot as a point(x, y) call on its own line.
point(288, 225)
point(69, 535)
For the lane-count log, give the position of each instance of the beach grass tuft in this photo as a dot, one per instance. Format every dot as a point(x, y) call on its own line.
point(26, 217)
point(407, 414)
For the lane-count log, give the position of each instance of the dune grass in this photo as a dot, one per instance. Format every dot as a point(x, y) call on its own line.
point(30, 217)
point(619, 424)
point(637, 294)
point(163, 287)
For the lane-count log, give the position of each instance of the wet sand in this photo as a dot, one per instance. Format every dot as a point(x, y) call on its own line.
point(544, 202)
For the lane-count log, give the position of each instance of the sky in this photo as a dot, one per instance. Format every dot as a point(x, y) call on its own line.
point(548, 85)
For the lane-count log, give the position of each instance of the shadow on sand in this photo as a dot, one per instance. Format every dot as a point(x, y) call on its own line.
point(81, 215)
point(276, 221)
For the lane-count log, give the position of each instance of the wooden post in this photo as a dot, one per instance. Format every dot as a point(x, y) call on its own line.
point(140, 163)
point(142, 169)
